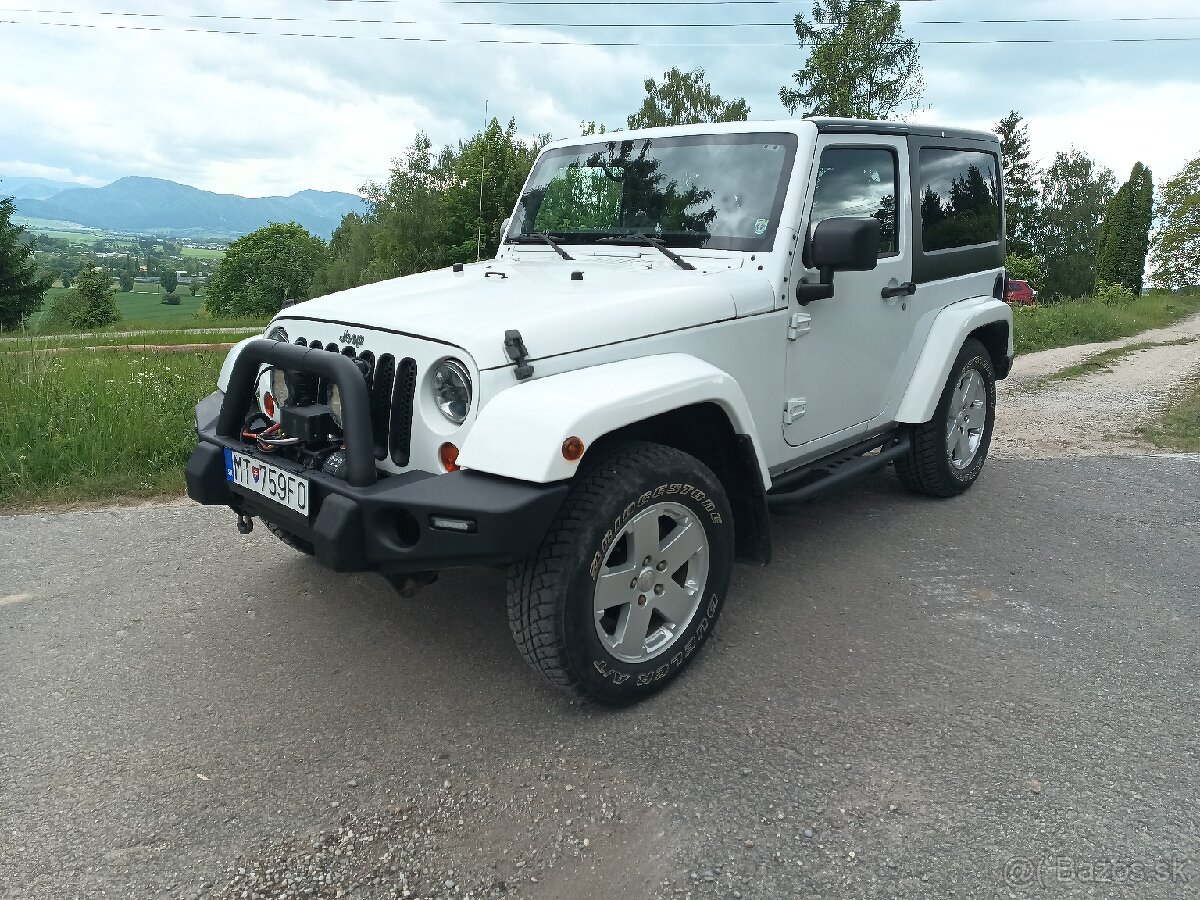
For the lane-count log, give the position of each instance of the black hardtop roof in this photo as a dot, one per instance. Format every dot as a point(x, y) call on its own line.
point(830, 125)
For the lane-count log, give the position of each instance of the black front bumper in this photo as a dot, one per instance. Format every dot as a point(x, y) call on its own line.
point(368, 523)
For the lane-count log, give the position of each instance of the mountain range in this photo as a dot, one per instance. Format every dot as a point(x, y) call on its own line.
point(155, 206)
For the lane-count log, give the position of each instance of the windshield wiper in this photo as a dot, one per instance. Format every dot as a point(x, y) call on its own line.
point(644, 240)
point(540, 237)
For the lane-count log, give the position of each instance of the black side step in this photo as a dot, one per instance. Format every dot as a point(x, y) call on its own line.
point(827, 474)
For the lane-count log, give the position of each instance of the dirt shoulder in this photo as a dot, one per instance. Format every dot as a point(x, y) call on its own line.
point(1098, 413)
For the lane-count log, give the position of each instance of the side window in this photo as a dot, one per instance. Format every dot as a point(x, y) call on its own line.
point(859, 182)
point(960, 194)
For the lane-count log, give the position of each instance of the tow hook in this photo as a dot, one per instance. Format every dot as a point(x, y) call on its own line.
point(245, 523)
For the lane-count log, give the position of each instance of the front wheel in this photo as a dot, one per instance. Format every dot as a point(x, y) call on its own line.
point(629, 580)
point(948, 451)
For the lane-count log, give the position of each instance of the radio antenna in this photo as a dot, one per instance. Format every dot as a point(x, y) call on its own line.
point(482, 171)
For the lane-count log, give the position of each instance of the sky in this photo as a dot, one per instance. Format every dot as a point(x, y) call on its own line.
point(96, 95)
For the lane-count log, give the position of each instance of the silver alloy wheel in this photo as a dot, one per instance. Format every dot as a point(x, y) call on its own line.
point(966, 419)
point(652, 582)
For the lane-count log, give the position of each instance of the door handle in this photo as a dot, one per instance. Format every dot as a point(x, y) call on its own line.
point(901, 290)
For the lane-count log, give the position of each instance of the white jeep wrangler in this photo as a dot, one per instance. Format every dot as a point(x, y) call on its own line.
point(683, 329)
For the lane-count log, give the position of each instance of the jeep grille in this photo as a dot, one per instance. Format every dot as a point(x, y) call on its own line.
point(391, 388)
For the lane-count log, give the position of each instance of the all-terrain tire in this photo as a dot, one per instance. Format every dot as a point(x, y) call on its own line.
point(929, 467)
point(552, 606)
point(290, 539)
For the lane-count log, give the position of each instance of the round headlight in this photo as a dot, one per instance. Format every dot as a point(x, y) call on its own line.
point(335, 405)
point(279, 387)
point(452, 390)
point(278, 333)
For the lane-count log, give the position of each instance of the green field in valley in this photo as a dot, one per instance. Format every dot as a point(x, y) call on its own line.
point(201, 253)
point(143, 308)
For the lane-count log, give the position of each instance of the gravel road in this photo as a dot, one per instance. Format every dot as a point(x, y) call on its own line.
point(1098, 413)
point(993, 696)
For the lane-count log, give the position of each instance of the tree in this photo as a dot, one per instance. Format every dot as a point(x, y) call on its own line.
point(504, 162)
point(428, 213)
point(22, 286)
point(263, 269)
point(684, 98)
point(1177, 241)
point(1075, 193)
point(169, 279)
point(351, 250)
point(66, 279)
point(126, 279)
point(93, 304)
point(1021, 177)
point(1125, 235)
point(859, 62)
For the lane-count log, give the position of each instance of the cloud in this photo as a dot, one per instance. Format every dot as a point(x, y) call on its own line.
point(264, 114)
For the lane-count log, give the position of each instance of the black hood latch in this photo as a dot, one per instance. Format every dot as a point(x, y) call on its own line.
point(514, 346)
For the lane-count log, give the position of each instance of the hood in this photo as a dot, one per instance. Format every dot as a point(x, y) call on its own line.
point(613, 299)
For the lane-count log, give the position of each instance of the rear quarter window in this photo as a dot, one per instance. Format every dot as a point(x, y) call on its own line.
point(959, 200)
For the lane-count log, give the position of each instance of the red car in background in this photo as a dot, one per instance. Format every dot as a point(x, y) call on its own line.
point(1020, 293)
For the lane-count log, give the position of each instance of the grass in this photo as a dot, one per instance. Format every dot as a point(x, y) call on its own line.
point(1178, 428)
point(1099, 362)
point(98, 426)
point(1086, 322)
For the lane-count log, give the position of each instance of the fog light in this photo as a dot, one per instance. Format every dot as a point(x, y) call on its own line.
point(446, 523)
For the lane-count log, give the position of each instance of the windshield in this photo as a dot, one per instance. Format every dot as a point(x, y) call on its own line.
point(717, 191)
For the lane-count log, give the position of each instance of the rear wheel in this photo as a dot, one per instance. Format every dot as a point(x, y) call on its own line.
point(948, 451)
point(629, 580)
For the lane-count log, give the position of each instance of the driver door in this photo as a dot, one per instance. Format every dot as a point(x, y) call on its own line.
point(843, 353)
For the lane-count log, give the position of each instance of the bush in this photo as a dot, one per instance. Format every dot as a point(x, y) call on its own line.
point(1113, 294)
point(93, 302)
point(57, 316)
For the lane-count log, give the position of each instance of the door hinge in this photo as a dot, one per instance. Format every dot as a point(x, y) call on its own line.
point(794, 409)
point(800, 323)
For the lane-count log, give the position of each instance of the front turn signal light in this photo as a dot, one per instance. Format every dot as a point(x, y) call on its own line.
point(448, 456)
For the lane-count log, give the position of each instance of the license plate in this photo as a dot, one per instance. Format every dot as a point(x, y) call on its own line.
point(270, 481)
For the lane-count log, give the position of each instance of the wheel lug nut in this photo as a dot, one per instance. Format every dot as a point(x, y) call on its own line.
point(658, 590)
point(633, 584)
point(646, 561)
point(642, 600)
point(662, 566)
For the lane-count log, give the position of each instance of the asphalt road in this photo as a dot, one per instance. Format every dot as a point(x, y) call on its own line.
point(989, 697)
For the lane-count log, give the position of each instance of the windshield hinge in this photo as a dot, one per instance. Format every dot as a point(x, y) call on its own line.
point(514, 346)
point(800, 323)
point(794, 409)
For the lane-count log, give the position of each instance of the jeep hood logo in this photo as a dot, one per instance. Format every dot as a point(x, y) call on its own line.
point(355, 339)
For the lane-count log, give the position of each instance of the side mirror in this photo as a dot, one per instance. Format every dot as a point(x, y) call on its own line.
point(504, 228)
point(841, 244)
point(851, 245)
